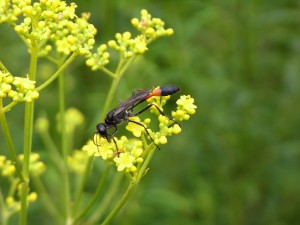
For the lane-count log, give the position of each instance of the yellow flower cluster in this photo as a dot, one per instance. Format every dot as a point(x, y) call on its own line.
point(5, 84)
point(42, 124)
point(13, 205)
point(99, 59)
point(11, 10)
point(7, 169)
point(24, 88)
point(126, 158)
point(36, 167)
point(131, 153)
point(127, 45)
point(151, 28)
point(73, 119)
point(49, 21)
point(167, 127)
point(185, 108)
point(77, 161)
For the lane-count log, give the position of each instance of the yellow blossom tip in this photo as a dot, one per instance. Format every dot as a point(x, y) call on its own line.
point(32, 197)
point(9, 201)
point(163, 140)
point(134, 21)
point(169, 31)
point(144, 12)
point(176, 129)
point(8, 170)
point(42, 124)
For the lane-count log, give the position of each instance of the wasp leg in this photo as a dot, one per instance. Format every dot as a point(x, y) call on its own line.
point(138, 123)
point(159, 110)
point(114, 133)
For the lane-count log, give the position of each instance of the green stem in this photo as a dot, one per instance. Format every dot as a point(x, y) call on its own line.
point(96, 194)
point(52, 150)
point(131, 186)
point(64, 149)
point(144, 167)
point(51, 207)
point(123, 65)
point(108, 72)
point(11, 147)
point(3, 68)
point(57, 73)
point(58, 161)
point(13, 189)
point(28, 128)
point(3, 211)
point(120, 204)
point(83, 180)
point(126, 64)
point(62, 115)
point(66, 194)
point(109, 97)
point(113, 189)
point(8, 107)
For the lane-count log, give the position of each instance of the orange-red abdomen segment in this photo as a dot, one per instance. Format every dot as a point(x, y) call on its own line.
point(164, 91)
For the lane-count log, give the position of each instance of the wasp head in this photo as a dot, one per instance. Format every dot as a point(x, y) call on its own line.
point(102, 130)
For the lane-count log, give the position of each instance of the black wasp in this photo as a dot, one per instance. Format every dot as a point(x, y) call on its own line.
point(125, 110)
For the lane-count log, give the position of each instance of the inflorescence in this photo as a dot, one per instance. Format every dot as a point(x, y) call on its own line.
point(8, 171)
point(19, 89)
point(128, 45)
point(45, 27)
point(49, 24)
point(132, 152)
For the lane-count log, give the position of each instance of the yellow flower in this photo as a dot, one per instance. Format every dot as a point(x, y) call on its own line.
point(186, 102)
point(100, 59)
point(2, 161)
point(50, 21)
point(151, 28)
point(73, 119)
point(77, 161)
point(90, 148)
point(100, 148)
point(8, 170)
point(32, 197)
point(4, 89)
point(25, 89)
point(185, 108)
point(36, 167)
point(136, 129)
point(42, 124)
point(124, 161)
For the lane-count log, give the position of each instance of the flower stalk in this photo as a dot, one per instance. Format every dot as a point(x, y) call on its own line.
point(120, 203)
point(28, 128)
point(10, 143)
point(96, 194)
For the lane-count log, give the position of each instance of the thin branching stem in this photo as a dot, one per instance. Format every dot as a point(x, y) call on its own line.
point(27, 146)
point(11, 147)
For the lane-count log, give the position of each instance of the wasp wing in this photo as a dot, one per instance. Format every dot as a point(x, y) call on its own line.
point(134, 100)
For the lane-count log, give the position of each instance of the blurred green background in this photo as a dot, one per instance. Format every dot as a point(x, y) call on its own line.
point(237, 160)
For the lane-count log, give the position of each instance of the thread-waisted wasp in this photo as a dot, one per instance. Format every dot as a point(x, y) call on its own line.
point(124, 111)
